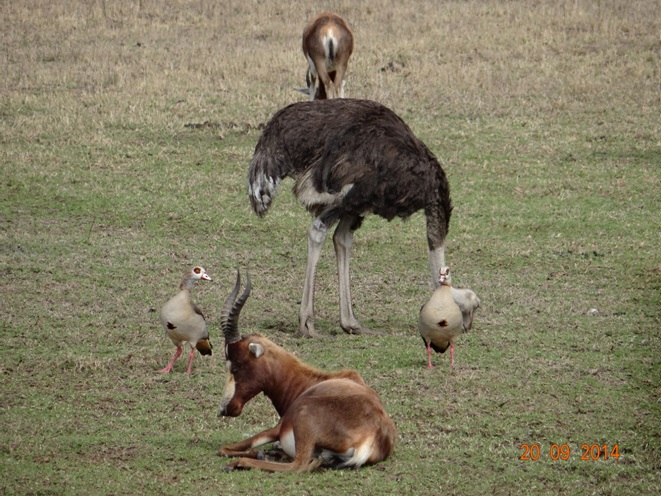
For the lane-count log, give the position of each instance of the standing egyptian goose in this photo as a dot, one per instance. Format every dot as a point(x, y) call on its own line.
point(441, 320)
point(184, 322)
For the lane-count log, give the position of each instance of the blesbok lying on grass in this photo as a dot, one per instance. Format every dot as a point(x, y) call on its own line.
point(327, 45)
point(325, 417)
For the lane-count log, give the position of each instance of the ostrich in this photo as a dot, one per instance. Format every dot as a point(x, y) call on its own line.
point(348, 158)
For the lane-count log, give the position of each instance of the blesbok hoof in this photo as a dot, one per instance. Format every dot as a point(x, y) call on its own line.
point(232, 466)
point(243, 454)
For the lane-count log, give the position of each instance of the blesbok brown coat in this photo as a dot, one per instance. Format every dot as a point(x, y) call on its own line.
point(326, 417)
point(327, 46)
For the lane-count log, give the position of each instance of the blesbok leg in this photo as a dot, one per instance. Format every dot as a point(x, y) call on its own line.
point(246, 447)
point(311, 82)
point(295, 466)
point(298, 441)
point(338, 79)
point(325, 79)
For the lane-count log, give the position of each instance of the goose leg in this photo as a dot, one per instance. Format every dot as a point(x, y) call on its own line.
point(168, 367)
point(451, 355)
point(429, 364)
point(190, 360)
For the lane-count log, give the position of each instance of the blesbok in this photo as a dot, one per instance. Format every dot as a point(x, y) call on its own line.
point(349, 158)
point(325, 417)
point(327, 46)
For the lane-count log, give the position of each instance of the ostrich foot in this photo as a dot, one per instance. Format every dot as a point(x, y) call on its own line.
point(361, 330)
point(306, 329)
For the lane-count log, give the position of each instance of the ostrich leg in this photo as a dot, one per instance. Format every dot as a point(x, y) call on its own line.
point(343, 242)
point(317, 233)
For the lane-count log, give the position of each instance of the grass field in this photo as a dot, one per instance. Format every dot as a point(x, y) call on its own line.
point(126, 130)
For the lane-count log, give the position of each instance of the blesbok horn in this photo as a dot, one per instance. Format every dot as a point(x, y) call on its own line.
point(227, 306)
point(229, 315)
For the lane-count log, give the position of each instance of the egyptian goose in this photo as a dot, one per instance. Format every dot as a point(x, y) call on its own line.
point(183, 321)
point(468, 302)
point(441, 319)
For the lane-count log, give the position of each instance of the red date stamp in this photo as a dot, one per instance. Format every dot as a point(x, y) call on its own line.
point(533, 452)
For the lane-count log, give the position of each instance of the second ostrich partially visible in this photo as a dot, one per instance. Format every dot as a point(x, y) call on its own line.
point(348, 158)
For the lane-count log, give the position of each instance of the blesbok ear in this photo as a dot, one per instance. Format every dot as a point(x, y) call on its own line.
point(256, 349)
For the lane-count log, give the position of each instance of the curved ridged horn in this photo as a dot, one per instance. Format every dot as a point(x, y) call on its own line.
point(227, 306)
point(229, 315)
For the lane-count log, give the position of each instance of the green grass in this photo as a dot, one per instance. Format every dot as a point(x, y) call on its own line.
point(126, 130)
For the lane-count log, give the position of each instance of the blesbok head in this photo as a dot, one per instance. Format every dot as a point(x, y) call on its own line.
point(327, 46)
point(330, 417)
point(239, 354)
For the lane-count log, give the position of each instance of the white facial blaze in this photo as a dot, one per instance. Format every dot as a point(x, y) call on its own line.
point(230, 387)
